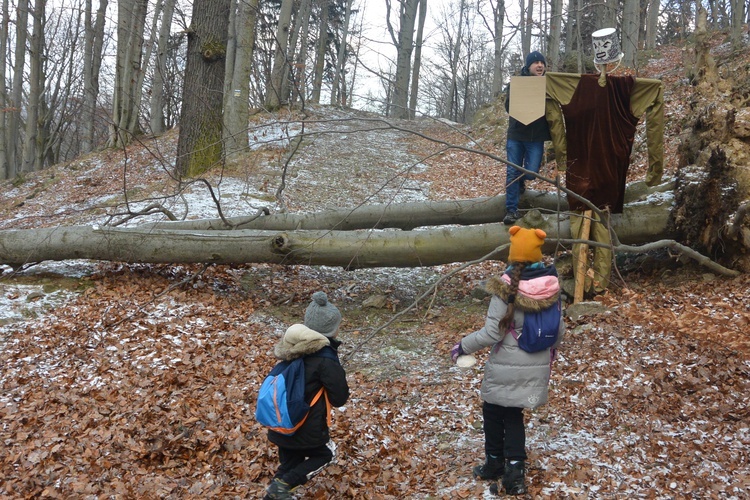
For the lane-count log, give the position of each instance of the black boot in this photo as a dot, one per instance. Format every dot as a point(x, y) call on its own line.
point(514, 477)
point(491, 470)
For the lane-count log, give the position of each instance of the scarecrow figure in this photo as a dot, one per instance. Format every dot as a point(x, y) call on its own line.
point(592, 121)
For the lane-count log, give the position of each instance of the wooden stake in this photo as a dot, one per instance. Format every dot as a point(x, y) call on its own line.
point(582, 258)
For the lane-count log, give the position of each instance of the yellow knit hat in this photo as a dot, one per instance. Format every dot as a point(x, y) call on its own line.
point(526, 244)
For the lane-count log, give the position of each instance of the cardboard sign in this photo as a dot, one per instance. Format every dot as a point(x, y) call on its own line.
point(527, 98)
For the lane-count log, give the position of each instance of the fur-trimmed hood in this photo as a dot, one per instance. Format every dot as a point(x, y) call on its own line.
point(544, 282)
point(298, 341)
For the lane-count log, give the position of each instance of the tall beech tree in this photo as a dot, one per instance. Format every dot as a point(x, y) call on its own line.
point(200, 144)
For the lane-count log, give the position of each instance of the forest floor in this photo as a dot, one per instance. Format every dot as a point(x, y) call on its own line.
point(138, 381)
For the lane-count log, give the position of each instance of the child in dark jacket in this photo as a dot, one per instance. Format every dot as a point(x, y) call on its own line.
point(305, 453)
point(513, 379)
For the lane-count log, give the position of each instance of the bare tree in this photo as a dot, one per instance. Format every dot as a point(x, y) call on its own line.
point(527, 24)
point(199, 145)
point(238, 70)
point(454, 59)
point(156, 121)
point(338, 91)
point(32, 139)
point(404, 43)
point(131, 23)
point(496, 29)
point(274, 96)
point(4, 103)
point(320, 52)
point(739, 11)
point(299, 71)
point(16, 96)
point(630, 28)
point(652, 24)
point(417, 59)
point(92, 61)
point(555, 32)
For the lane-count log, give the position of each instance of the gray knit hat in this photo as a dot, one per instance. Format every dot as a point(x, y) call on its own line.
point(322, 316)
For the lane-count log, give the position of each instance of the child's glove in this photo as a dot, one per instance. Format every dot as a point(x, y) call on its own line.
point(456, 352)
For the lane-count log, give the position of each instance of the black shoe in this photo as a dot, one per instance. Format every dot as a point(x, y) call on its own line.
point(514, 477)
point(511, 217)
point(491, 470)
point(278, 490)
point(522, 188)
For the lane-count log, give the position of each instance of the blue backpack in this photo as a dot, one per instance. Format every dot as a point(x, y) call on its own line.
point(281, 399)
point(540, 329)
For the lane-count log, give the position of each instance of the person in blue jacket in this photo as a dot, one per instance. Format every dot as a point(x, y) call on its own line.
point(304, 454)
point(524, 144)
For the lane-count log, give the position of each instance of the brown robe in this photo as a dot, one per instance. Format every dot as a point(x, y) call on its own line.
point(600, 130)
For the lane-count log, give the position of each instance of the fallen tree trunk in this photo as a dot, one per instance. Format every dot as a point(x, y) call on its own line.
point(348, 249)
point(406, 216)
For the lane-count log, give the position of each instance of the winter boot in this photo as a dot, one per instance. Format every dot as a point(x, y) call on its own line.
point(491, 470)
point(278, 490)
point(514, 477)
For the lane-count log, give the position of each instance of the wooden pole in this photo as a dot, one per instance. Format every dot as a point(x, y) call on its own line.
point(582, 258)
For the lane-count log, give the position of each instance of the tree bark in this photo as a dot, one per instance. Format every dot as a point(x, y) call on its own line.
point(404, 216)
point(320, 52)
point(16, 99)
point(498, 17)
point(275, 96)
point(31, 159)
point(93, 46)
point(652, 23)
point(404, 47)
point(131, 23)
point(527, 18)
point(414, 89)
point(160, 70)
point(199, 145)
point(631, 24)
point(237, 88)
point(300, 73)
point(640, 222)
point(338, 95)
point(4, 103)
point(553, 53)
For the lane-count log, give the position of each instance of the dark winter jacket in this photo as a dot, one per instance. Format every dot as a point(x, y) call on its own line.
point(513, 377)
point(300, 341)
point(536, 131)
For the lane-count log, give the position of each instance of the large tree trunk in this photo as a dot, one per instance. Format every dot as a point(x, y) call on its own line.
point(320, 52)
point(498, 17)
point(160, 70)
point(16, 99)
point(237, 87)
point(92, 53)
point(639, 223)
point(405, 46)
point(414, 90)
point(199, 145)
point(131, 23)
point(31, 146)
point(275, 96)
point(4, 104)
point(553, 52)
point(631, 21)
point(338, 93)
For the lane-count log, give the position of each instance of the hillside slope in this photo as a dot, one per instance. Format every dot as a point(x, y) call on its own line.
point(138, 381)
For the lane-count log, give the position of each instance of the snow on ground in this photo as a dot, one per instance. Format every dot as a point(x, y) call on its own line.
point(632, 414)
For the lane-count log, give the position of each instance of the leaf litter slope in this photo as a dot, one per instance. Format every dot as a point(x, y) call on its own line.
point(138, 387)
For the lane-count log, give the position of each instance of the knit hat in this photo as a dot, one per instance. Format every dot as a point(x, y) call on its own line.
point(526, 244)
point(534, 57)
point(322, 316)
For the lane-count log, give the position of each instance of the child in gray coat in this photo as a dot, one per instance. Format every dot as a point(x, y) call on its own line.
point(513, 379)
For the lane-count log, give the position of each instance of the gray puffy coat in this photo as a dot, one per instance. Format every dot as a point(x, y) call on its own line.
point(512, 377)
